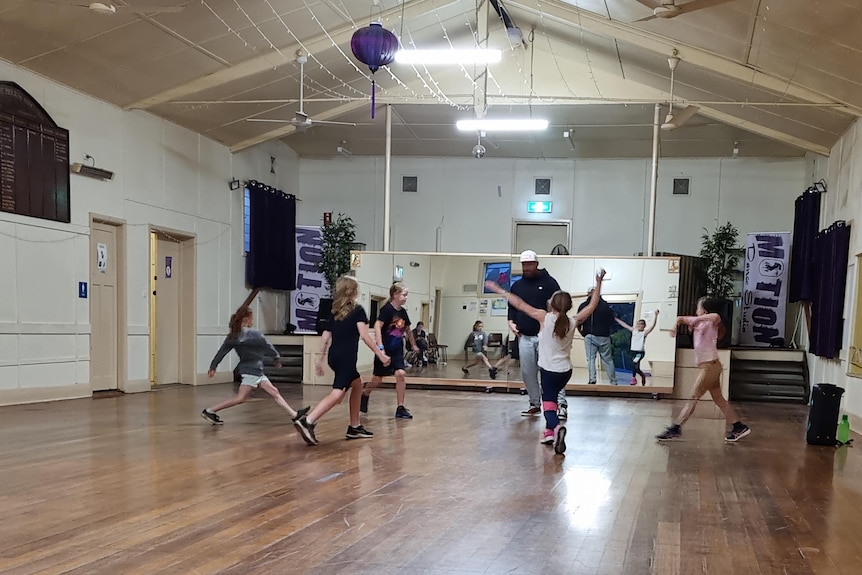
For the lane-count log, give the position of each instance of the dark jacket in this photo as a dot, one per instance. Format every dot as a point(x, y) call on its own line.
point(600, 322)
point(536, 291)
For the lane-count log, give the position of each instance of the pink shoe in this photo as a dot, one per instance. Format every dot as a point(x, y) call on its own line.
point(547, 437)
point(634, 381)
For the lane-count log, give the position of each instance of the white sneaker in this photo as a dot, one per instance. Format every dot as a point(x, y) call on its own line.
point(563, 412)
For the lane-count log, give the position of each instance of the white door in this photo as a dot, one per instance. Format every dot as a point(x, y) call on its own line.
point(103, 307)
point(541, 238)
point(167, 298)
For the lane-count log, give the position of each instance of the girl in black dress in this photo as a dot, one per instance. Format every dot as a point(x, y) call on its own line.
point(347, 324)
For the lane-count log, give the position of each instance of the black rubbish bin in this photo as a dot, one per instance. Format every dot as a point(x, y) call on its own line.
point(823, 414)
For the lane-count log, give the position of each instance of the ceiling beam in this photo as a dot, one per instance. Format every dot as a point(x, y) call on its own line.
point(262, 63)
point(762, 130)
point(288, 129)
point(591, 22)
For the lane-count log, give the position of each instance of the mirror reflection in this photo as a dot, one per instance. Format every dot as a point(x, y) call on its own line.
point(466, 332)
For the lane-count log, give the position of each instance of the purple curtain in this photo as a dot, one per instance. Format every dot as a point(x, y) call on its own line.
point(831, 250)
point(271, 259)
point(806, 224)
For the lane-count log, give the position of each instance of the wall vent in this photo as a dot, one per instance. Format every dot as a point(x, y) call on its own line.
point(409, 183)
point(543, 186)
point(470, 288)
point(681, 186)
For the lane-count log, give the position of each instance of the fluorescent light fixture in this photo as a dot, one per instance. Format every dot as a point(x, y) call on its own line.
point(539, 207)
point(510, 125)
point(477, 56)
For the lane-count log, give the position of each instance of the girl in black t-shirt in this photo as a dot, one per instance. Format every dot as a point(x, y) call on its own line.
point(347, 324)
point(391, 326)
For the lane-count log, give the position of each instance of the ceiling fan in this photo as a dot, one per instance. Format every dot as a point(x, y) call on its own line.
point(108, 8)
point(669, 8)
point(301, 120)
point(673, 121)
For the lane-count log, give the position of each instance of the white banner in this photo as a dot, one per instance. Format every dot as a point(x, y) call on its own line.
point(764, 290)
point(310, 283)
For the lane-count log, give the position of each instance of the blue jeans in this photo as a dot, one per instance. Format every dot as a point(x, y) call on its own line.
point(602, 345)
point(528, 348)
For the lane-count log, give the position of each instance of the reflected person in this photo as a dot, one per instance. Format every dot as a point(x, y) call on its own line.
point(535, 287)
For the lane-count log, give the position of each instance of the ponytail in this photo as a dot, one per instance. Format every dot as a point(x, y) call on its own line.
point(236, 320)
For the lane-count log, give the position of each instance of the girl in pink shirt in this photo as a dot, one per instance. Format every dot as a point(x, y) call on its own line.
point(707, 329)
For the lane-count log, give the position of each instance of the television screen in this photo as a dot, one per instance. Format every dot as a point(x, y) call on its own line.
point(498, 272)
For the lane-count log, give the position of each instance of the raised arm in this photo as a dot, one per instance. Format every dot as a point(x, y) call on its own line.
point(583, 314)
point(515, 301)
point(648, 330)
point(623, 324)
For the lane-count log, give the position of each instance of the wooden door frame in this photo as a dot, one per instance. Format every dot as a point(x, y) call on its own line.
point(188, 301)
point(122, 298)
point(516, 223)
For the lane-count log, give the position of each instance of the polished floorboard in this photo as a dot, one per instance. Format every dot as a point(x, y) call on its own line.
point(140, 484)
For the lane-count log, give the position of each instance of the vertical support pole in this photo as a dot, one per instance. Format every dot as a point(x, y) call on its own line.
point(650, 251)
point(387, 179)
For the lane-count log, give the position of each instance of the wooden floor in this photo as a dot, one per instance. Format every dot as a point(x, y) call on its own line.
point(140, 484)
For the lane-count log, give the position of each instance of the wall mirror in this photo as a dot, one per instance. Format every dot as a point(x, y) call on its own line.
point(447, 295)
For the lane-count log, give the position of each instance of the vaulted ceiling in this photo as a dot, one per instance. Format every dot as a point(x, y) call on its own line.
point(771, 77)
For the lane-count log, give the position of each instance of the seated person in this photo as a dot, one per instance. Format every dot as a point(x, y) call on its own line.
point(421, 338)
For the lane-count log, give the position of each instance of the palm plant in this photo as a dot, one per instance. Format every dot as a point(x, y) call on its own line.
point(720, 258)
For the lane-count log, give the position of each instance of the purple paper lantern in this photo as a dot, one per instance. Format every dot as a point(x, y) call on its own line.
point(374, 46)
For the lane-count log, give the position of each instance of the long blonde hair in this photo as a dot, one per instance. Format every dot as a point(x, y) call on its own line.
point(344, 302)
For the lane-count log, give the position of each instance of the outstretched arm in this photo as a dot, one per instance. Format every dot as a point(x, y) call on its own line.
point(623, 324)
point(583, 314)
point(515, 301)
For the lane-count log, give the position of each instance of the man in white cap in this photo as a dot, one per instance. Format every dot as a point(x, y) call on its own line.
point(535, 287)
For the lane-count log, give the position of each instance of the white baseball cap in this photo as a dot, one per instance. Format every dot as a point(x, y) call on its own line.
point(529, 256)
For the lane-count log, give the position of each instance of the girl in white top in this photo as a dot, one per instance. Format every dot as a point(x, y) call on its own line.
point(555, 348)
point(639, 334)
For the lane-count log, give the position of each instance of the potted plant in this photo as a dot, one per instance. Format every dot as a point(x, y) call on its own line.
point(337, 241)
point(720, 258)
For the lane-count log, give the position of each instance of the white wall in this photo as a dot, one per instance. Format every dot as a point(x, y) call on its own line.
point(843, 201)
point(165, 176)
point(606, 200)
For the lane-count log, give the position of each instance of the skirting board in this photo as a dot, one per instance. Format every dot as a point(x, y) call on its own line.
point(42, 394)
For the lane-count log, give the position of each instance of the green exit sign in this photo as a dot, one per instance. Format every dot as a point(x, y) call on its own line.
point(539, 207)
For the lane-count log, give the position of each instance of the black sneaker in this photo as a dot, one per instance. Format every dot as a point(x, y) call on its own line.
point(465, 370)
point(363, 403)
point(403, 413)
point(672, 432)
point(212, 417)
point(493, 373)
point(737, 433)
point(563, 411)
point(306, 430)
point(301, 413)
point(357, 432)
point(560, 441)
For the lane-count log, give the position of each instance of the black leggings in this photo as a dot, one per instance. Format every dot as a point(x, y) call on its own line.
point(636, 361)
